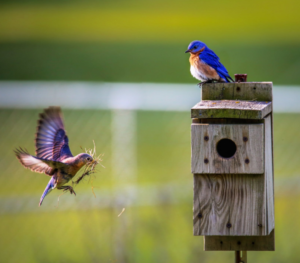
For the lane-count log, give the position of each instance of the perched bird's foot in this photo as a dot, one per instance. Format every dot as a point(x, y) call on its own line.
point(68, 188)
point(207, 81)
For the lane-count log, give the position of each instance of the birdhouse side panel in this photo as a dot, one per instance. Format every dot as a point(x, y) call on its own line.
point(269, 177)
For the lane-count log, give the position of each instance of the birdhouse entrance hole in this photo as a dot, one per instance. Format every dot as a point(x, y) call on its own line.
point(226, 148)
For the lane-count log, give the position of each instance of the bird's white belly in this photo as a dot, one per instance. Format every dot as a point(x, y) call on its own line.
point(198, 74)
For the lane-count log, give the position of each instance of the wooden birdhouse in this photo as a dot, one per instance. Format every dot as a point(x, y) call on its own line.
point(232, 163)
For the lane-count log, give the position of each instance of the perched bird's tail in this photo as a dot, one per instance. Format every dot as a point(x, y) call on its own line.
point(223, 73)
point(48, 189)
point(225, 76)
point(228, 77)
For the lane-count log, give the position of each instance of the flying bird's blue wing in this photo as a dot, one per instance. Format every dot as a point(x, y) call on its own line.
point(51, 140)
point(210, 58)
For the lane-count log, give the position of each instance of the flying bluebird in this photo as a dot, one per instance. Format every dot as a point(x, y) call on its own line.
point(53, 155)
point(205, 64)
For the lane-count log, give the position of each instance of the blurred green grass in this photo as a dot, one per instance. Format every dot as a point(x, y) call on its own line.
point(159, 233)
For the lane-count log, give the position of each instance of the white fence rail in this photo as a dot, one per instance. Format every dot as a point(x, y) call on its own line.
point(131, 96)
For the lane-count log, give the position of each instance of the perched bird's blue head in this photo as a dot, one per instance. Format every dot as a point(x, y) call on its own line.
point(195, 47)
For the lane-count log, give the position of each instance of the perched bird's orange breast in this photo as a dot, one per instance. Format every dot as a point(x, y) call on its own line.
point(194, 59)
point(201, 70)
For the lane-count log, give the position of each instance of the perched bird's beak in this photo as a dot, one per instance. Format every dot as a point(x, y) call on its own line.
point(187, 51)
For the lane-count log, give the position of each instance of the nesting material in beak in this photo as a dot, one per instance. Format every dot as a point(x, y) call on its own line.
point(90, 167)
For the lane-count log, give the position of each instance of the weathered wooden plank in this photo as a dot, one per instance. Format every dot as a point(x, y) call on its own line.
point(229, 205)
point(234, 243)
point(249, 155)
point(259, 91)
point(231, 109)
point(269, 181)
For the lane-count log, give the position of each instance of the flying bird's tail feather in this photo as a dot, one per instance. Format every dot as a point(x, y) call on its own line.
point(48, 189)
point(226, 77)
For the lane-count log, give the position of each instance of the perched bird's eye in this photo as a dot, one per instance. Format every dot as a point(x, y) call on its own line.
point(195, 47)
point(88, 158)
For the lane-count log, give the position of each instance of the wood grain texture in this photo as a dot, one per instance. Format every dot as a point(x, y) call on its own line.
point(231, 109)
point(269, 176)
point(258, 91)
point(206, 160)
point(229, 205)
point(234, 243)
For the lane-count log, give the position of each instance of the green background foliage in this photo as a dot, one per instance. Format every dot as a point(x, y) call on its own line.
point(144, 41)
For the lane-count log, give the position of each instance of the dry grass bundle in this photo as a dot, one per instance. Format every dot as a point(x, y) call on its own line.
point(90, 168)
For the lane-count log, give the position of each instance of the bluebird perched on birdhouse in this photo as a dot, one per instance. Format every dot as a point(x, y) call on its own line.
point(53, 155)
point(205, 64)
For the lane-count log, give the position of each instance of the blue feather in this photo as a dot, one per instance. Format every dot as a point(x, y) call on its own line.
point(210, 58)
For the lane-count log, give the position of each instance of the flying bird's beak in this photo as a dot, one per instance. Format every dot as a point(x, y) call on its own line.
point(187, 51)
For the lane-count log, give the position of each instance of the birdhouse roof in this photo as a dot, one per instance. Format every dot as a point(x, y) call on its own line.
point(239, 109)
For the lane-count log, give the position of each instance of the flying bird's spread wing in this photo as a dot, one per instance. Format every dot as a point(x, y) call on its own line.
point(38, 165)
point(51, 140)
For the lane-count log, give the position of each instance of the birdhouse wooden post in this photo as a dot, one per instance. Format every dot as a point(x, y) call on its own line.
point(232, 163)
